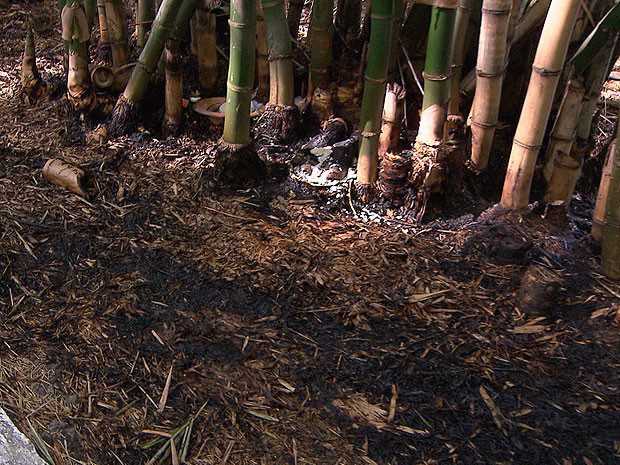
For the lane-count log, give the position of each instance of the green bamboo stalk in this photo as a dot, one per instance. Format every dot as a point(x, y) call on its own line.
point(321, 34)
point(206, 47)
point(117, 31)
point(399, 11)
point(90, 8)
point(437, 75)
point(181, 23)
point(382, 22)
point(103, 47)
point(144, 20)
point(611, 230)
point(137, 86)
point(463, 14)
point(282, 87)
point(240, 72)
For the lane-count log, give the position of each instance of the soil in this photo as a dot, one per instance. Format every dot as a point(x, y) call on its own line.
point(284, 327)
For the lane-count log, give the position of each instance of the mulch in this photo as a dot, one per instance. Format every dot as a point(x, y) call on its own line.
point(258, 327)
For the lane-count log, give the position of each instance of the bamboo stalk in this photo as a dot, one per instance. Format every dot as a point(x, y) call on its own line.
point(374, 91)
point(492, 53)
point(599, 215)
point(103, 47)
point(240, 72)
point(564, 157)
point(611, 229)
point(546, 71)
point(262, 55)
point(282, 88)
point(117, 31)
point(174, 89)
point(173, 117)
point(463, 14)
point(124, 111)
point(206, 47)
point(437, 75)
point(76, 36)
point(321, 34)
point(529, 20)
point(144, 20)
point(90, 8)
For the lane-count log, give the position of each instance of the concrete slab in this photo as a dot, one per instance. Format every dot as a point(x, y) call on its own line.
point(15, 448)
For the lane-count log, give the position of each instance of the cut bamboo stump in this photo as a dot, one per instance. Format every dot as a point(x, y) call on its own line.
point(67, 176)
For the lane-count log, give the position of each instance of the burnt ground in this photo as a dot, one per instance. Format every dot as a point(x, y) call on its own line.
point(293, 334)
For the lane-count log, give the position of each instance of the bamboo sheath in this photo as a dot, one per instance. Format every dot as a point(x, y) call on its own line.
point(599, 215)
point(240, 72)
point(174, 88)
point(490, 69)
point(375, 78)
point(76, 35)
point(281, 88)
point(611, 229)
point(546, 71)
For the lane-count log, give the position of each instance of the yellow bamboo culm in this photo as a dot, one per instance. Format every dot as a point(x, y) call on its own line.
point(546, 71)
point(563, 162)
point(610, 241)
point(492, 52)
point(599, 215)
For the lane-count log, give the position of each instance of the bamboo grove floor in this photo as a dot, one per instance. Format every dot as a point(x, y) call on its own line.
point(292, 335)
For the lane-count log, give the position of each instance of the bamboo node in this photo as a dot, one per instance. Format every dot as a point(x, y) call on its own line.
point(369, 134)
point(377, 81)
point(238, 25)
point(240, 89)
point(526, 146)
point(273, 3)
point(279, 57)
point(436, 77)
point(484, 74)
point(496, 12)
point(380, 17)
point(483, 125)
point(545, 72)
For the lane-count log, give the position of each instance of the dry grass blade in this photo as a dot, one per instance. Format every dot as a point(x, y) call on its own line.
point(164, 395)
point(498, 417)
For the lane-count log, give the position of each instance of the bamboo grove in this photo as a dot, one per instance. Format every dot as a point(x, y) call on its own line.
point(423, 86)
